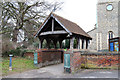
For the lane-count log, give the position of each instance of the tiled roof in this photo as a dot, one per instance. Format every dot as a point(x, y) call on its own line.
point(69, 25)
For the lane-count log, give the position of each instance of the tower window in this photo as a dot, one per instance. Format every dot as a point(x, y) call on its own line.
point(110, 34)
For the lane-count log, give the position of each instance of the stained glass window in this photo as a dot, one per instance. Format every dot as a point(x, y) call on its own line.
point(111, 46)
point(116, 47)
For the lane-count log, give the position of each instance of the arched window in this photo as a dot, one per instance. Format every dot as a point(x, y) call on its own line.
point(110, 34)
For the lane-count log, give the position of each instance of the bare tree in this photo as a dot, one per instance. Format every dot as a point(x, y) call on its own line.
point(24, 16)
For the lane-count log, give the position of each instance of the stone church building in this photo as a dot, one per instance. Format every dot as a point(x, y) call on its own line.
point(108, 21)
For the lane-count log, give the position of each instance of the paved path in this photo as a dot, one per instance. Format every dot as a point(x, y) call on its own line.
point(56, 71)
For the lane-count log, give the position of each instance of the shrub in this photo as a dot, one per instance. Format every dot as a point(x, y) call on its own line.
point(36, 44)
point(7, 45)
point(16, 52)
point(82, 65)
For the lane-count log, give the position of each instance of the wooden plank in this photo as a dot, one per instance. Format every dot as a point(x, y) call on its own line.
point(80, 43)
point(72, 43)
point(62, 25)
point(52, 25)
point(42, 26)
point(53, 32)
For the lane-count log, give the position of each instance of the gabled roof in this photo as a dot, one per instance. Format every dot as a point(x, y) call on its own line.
point(69, 25)
point(91, 30)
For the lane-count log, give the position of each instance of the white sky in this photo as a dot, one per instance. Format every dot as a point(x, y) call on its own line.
point(82, 12)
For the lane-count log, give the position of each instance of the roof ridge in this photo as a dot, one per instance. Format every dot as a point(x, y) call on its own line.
point(71, 22)
point(65, 18)
point(92, 30)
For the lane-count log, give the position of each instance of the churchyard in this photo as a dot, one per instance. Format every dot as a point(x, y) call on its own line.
point(19, 64)
point(58, 47)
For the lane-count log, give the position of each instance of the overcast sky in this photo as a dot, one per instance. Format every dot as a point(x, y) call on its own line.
point(82, 12)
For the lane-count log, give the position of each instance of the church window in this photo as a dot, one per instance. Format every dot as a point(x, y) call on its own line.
point(110, 34)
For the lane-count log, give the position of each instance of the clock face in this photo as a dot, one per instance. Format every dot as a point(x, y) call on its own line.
point(109, 7)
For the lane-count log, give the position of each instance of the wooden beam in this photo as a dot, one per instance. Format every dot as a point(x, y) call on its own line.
point(62, 25)
point(40, 43)
point(60, 42)
point(53, 32)
point(52, 25)
point(42, 26)
point(85, 44)
point(80, 40)
point(78, 45)
point(72, 43)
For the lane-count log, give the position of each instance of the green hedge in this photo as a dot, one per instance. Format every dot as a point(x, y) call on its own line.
point(15, 52)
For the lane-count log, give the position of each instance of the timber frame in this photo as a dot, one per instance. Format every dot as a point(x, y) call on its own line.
point(56, 29)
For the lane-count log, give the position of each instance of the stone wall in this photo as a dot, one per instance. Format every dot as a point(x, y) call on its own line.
point(106, 21)
point(119, 19)
point(93, 44)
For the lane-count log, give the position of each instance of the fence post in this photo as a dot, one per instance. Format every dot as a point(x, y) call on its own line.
point(35, 58)
point(10, 63)
point(67, 66)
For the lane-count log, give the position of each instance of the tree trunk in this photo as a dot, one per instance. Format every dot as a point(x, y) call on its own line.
point(15, 34)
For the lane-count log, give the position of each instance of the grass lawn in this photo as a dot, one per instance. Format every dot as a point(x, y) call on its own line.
point(0, 66)
point(18, 65)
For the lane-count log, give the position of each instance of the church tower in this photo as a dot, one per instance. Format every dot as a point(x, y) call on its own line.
point(107, 24)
